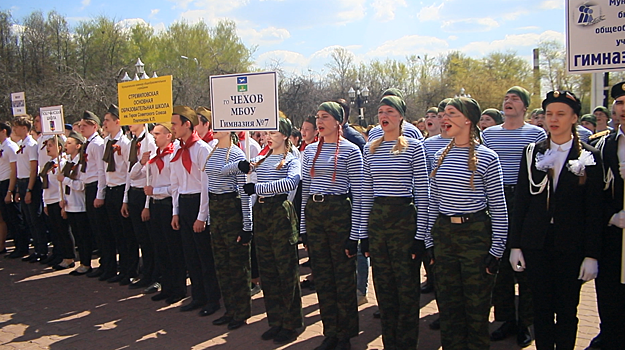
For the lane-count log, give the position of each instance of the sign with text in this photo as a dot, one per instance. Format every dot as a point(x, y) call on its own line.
point(595, 36)
point(145, 101)
point(52, 121)
point(245, 102)
point(18, 102)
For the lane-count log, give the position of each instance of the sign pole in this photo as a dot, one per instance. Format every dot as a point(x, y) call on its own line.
point(623, 251)
point(58, 162)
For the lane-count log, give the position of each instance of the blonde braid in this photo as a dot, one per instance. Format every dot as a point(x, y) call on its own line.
point(472, 161)
point(375, 144)
point(442, 157)
point(400, 146)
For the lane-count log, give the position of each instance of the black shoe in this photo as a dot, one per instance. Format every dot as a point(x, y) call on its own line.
point(271, 333)
point(377, 314)
point(152, 288)
point(15, 254)
point(193, 305)
point(29, 257)
point(209, 309)
point(3, 251)
point(159, 297)
point(285, 336)
point(59, 267)
point(39, 258)
point(427, 288)
point(107, 276)
point(308, 284)
point(222, 320)
point(329, 343)
point(507, 329)
point(343, 345)
point(173, 299)
point(436, 325)
point(595, 343)
point(55, 261)
point(142, 283)
point(126, 281)
point(76, 273)
point(234, 324)
point(116, 278)
point(524, 337)
point(48, 260)
point(95, 273)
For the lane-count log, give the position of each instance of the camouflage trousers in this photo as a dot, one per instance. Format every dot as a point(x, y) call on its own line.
point(276, 250)
point(232, 260)
point(392, 227)
point(328, 224)
point(462, 284)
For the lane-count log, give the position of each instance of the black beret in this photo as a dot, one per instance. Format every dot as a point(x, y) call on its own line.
point(617, 90)
point(565, 97)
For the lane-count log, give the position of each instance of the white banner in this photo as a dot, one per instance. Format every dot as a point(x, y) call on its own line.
point(246, 101)
point(595, 36)
point(52, 121)
point(18, 102)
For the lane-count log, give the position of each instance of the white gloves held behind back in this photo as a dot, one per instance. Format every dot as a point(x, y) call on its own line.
point(587, 271)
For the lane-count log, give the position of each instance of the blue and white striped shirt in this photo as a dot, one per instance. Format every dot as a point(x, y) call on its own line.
point(271, 181)
point(396, 175)
point(432, 145)
point(407, 128)
point(218, 183)
point(509, 145)
point(584, 134)
point(451, 192)
point(348, 176)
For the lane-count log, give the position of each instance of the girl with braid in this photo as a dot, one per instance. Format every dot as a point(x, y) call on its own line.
point(396, 178)
point(557, 221)
point(276, 232)
point(331, 224)
point(470, 222)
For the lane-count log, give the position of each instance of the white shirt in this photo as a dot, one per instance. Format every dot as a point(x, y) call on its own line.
point(8, 156)
point(562, 152)
point(139, 180)
point(75, 201)
point(95, 167)
point(160, 181)
point(52, 194)
point(196, 181)
point(27, 154)
point(42, 153)
point(118, 177)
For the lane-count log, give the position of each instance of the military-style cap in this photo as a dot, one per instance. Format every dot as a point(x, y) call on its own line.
point(166, 125)
point(603, 110)
point(206, 113)
point(617, 90)
point(334, 109)
point(188, 113)
point(393, 92)
point(395, 102)
point(69, 127)
point(78, 137)
point(432, 110)
point(443, 104)
point(589, 118)
point(114, 110)
point(285, 127)
point(89, 115)
point(522, 93)
point(469, 107)
point(493, 113)
point(565, 97)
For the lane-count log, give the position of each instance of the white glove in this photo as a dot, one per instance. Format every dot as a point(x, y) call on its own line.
point(618, 219)
point(588, 270)
point(516, 260)
point(621, 169)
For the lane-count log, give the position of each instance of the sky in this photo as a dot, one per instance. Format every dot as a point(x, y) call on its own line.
point(301, 34)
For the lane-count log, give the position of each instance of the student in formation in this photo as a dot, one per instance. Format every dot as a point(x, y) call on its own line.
point(557, 221)
point(9, 209)
point(276, 232)
point(395, 179)
point(470, 223)
point(330, 224)
point(74, 206)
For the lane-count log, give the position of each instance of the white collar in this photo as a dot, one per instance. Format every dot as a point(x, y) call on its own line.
point(565, 147)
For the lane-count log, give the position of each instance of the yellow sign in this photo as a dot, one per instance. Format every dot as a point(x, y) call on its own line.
point(145, 101)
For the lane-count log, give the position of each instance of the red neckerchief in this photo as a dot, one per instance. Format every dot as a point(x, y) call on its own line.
point(184, 151)
point(241, 136)
point(302, 147)
point(264, 151)
point(159, 156)
point(208, 137)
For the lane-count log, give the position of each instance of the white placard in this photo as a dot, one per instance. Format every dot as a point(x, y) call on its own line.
point(595, 35)
point(18, 102)
point(52, 121)
point(246, 101)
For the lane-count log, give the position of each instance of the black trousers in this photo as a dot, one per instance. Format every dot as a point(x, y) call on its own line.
point(169, 256)
point(610, 291)
point(552, 277)
point(61, 236)
point(198, 252)
point(101, 234)
point(136, 204)
point(124, 237)
point(79, 222)
point(11, 213)
point(33, 217)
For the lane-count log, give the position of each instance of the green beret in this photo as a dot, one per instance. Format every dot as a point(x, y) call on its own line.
point(522, 93)
point(468, 107)
point(617, 90)
point(89, 115)
point(334, 109)
point(432, 110)
point(188, 113)
point(393, 92)
point(114, 110)
point(395, 102)
point(443, 104)
point(78, 137)
point(493, 113)
point(285, 126)
point(589, 118)
point(566, 97)
point(603, 110)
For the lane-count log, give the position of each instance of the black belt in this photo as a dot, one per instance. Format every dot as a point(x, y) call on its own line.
point(222, 196)
point(164, 201)
point(92, 184)
point(275, 199)
point(188, 195)
point(137, 189)
point(318, 198)
point(464, 218)
point(392, 200)
point(120, 187)
point(509, 188)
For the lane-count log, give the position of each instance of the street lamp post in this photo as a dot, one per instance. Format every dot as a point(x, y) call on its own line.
point(463, 93)
point(139, 73)
point(359, 98)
